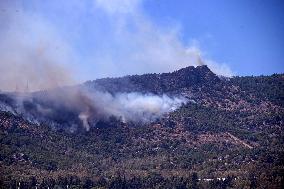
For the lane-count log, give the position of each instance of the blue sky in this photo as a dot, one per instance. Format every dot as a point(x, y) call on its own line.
point(108, 38)
point(246, 34)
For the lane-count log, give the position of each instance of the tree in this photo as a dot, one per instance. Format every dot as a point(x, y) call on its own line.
point(194, 180)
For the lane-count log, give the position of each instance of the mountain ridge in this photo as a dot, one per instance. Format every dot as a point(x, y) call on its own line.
point(186, 76)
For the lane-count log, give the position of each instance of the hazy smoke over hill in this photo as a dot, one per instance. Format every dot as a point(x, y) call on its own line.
point(38, 53)
point(41, 52)
point(74, 107)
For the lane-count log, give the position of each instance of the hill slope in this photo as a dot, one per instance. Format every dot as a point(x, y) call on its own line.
point(229, 128)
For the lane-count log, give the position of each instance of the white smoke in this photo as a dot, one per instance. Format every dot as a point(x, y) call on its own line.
point(136, 107)
point(83, 116)
point(127, 107)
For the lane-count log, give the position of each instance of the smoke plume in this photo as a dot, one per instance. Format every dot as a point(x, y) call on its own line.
point(41, 46)
point(32, 54)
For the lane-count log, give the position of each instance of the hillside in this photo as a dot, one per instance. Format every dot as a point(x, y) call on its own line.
point(228, 134)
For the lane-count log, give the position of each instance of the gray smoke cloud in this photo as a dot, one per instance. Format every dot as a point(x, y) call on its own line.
point(32, 54)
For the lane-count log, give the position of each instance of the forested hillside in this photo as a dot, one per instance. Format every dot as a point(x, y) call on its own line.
point(228, 134)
